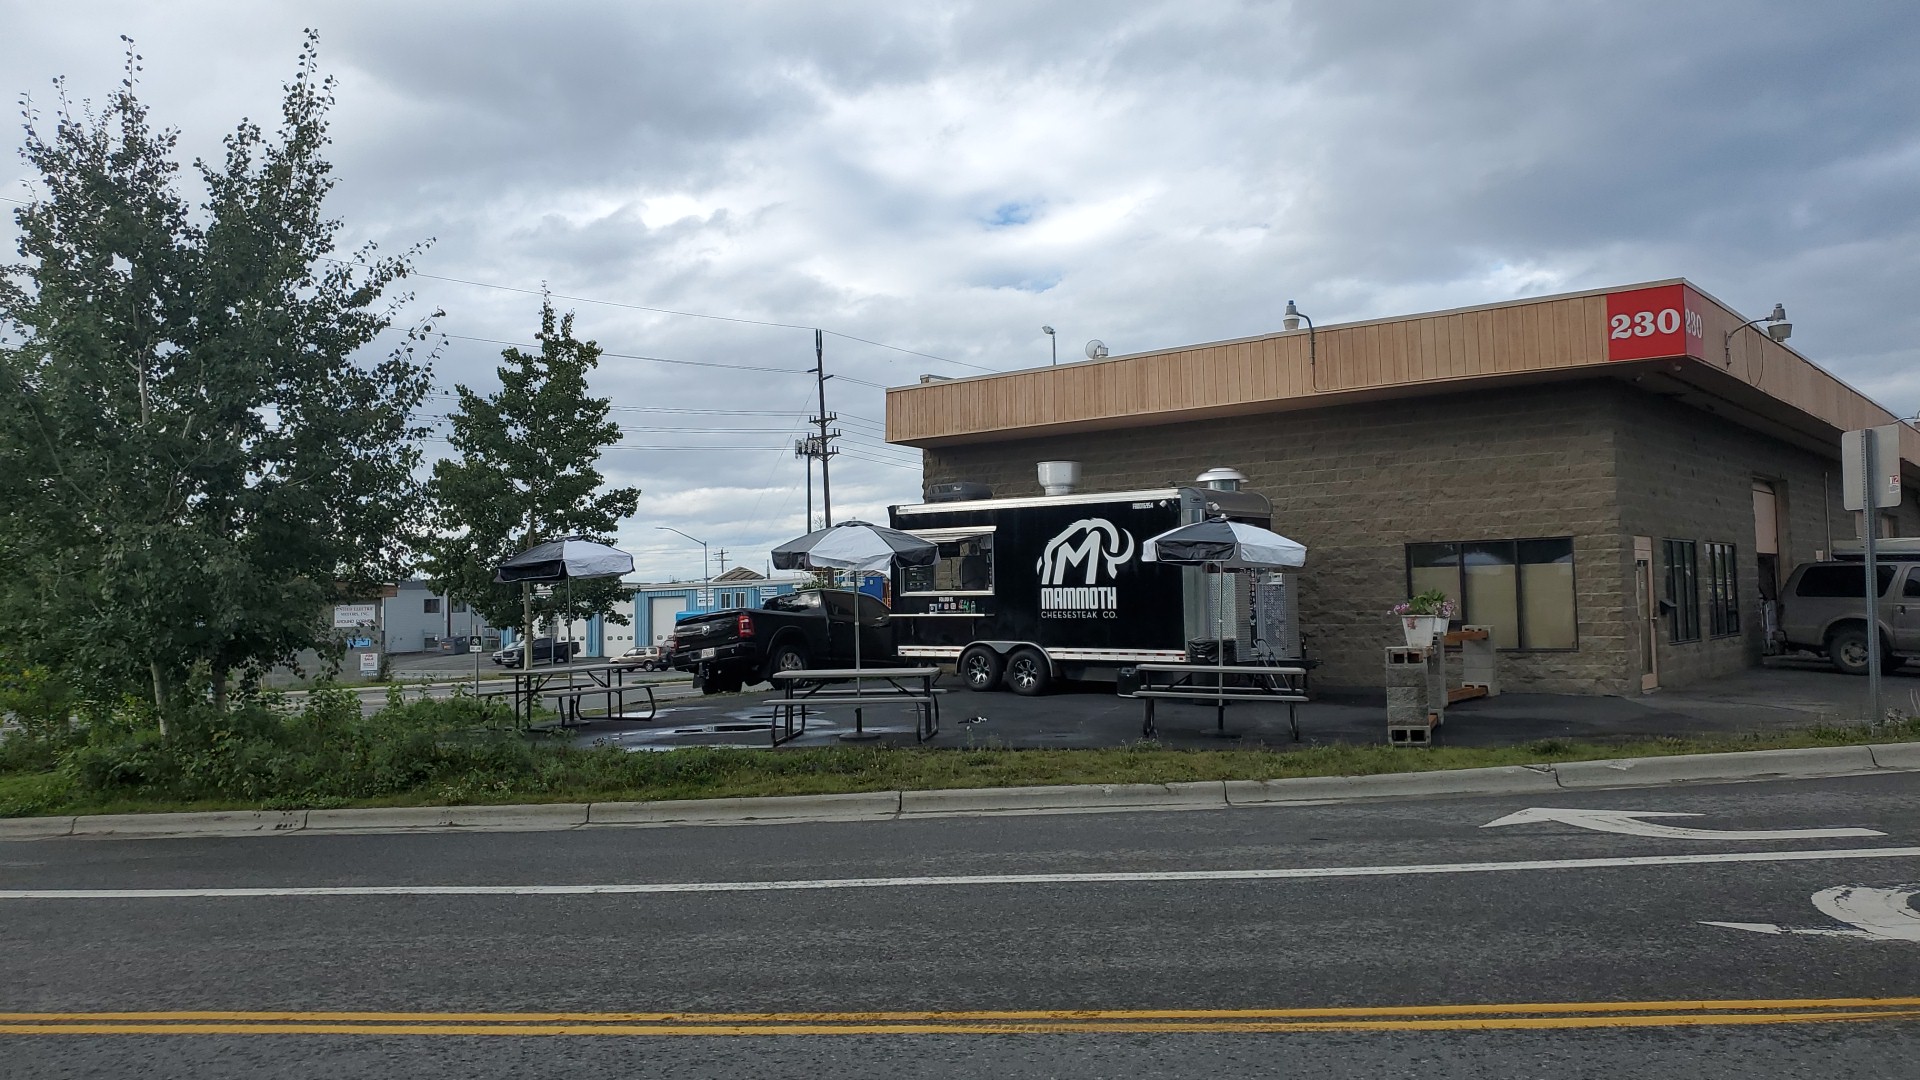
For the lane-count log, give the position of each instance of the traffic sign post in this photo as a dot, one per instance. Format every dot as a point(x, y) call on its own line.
point(1864, 456)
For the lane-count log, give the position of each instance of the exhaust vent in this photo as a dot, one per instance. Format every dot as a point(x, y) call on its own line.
point(1059, 477)
point(1221, 479)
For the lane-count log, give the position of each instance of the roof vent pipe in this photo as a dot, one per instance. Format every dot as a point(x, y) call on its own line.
point(1059, 477)
point(1221, 479)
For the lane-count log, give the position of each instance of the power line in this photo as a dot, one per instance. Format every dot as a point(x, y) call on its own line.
point(635, 356)
point(689, 315)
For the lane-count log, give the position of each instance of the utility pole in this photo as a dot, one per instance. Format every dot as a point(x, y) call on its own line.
point(721, 558)
point(821, 445)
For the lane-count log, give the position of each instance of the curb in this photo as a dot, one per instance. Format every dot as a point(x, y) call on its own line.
point(1741, 766)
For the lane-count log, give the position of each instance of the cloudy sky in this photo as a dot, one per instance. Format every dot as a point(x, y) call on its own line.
point(942, 179)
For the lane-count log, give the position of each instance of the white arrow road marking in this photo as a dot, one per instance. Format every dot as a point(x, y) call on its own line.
point(1630, 823)
point(1289, 873)
point(1875, 914)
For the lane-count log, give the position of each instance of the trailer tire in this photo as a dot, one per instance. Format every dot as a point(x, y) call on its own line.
point(1027, 672)
point(979, 667)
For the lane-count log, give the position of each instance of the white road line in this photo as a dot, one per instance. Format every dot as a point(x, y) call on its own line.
point(1292, 873)
point(1630, 822)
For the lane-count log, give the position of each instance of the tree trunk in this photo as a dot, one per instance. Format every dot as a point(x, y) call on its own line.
point(159, 696)
point(219, 685)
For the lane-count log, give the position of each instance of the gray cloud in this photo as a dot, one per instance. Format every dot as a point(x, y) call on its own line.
point(946, 179)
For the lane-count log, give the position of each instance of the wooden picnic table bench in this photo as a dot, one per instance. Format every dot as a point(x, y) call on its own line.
point(808, 688)
point(1281, 683)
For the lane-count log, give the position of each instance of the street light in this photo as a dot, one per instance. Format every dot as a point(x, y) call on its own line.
point(706, 577)
point(1053, 343)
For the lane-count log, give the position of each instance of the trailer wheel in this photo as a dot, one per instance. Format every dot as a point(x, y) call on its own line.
point(979, 668)
point(1027, 673)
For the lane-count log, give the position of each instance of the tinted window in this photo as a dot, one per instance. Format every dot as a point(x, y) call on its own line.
point(1844, 580)
point(800, 601)
point(1913, 582)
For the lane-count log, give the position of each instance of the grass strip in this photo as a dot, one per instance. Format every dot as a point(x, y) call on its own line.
point(565, 774)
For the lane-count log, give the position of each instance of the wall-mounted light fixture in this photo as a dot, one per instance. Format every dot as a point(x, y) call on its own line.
point(1778, 328)
point(1291, 320)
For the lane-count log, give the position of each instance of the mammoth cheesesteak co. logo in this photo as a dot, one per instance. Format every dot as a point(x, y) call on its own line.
point(1073, 564)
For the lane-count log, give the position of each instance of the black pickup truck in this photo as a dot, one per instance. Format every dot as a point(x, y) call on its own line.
point(726, 650)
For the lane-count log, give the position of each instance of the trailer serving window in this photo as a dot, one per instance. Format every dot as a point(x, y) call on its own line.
point(965, 565)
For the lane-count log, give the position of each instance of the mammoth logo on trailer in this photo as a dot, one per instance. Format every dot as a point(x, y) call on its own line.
point(1093, 546)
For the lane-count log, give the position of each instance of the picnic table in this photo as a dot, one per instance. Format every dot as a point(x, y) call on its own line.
point(570, 685)
point(810, 688)
point(1282, 683)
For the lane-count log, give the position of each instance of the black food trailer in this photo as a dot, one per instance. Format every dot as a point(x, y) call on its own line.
point(1027, 590)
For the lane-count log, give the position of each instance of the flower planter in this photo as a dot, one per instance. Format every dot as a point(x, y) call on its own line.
point(1422, 629)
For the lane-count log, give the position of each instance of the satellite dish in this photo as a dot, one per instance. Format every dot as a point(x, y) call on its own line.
point(1096, 349)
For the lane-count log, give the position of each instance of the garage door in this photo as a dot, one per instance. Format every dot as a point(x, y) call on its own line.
point(660, 613)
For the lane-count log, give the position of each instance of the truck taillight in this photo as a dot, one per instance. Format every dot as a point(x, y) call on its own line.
point(746, 625)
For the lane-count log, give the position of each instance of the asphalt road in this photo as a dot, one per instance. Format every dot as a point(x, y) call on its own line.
point(1387, 939)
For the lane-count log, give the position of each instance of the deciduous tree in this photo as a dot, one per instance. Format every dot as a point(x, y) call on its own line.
point(524, 470)
point(197, 453)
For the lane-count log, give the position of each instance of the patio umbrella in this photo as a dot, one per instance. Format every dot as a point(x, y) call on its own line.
point(1226, 545)
point(563, 559)
point(858, 546)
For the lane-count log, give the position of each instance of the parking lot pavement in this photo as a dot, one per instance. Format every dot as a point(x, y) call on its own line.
point(1780, 696)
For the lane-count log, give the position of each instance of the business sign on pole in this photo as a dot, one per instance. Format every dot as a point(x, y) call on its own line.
point(1886, 456)
point(1656, 323)
point(346, 616)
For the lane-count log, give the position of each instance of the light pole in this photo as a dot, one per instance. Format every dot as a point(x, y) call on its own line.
point(1053, 343)
point(706, 578)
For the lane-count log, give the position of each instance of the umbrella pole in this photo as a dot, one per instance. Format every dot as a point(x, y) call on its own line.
point(1220, 654)
point(859, 714)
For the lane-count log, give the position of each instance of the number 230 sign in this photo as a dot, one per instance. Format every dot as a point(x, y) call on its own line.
point(1647, 324)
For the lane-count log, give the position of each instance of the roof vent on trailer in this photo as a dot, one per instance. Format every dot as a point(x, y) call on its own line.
point(1221, 479)
point(1059, 477)
point(959, 491)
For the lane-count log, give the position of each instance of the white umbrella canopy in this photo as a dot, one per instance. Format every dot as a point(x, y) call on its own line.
point(860, 546)
point(563, 560)
point(1230, 545)
point(854, 545)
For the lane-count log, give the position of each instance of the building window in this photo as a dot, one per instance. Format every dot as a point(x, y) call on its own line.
point(1521, 590)
point(965, 565)
point(432, 605)
point(1683, 590)
point(459, 607)
point(1723, 594)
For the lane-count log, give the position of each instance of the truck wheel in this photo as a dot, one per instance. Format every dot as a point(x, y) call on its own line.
point(1847, 648)
point(787, 656)
point(979, 668)
point(1027, 673)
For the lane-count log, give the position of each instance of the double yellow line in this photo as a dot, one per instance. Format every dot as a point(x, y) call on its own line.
point(1562, 1015)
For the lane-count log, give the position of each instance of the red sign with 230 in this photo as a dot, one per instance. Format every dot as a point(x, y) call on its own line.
point(1648, 324)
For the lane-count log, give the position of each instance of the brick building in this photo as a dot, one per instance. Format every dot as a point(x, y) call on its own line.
point(1614, 480)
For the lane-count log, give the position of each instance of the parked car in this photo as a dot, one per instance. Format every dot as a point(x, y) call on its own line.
point(544, 651)
point(1823, 609)
point(644, 657)
point(726, 650)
